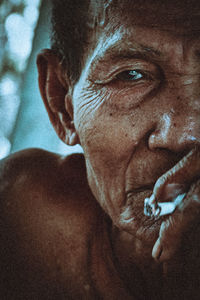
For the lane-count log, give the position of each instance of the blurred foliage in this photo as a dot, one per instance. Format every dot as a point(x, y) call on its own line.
point(10, 62)
point(7, 63)
point(18, 19)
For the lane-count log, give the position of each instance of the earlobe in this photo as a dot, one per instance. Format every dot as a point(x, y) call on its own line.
point(54, 89)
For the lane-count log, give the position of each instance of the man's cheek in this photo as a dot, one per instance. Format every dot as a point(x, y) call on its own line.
point(105, 135)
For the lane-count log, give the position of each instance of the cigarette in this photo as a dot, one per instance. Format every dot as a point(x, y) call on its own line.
point(159, 209)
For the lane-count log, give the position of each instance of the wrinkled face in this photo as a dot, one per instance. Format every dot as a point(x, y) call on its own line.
point(136, 111)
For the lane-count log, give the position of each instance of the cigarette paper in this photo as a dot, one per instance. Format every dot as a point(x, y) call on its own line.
point(159, 209)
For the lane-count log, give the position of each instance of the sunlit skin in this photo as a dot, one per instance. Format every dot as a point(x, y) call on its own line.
point(135, 110)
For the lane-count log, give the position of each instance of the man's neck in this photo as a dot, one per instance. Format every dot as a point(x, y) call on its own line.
point(135, 263)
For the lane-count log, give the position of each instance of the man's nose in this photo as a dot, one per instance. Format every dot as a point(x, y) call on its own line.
point(177, 130)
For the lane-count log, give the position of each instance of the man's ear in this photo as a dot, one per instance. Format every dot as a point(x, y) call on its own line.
point(54, 89)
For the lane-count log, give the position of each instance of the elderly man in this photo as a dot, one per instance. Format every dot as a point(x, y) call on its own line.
point(123, 80)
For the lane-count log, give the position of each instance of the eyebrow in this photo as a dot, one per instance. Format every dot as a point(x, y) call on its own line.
point(117, 52)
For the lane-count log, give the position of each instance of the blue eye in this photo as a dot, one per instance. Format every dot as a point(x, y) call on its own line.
point(130, 75)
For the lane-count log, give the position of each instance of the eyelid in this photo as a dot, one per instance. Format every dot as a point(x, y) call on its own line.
point(145, 68)
point(145, 75)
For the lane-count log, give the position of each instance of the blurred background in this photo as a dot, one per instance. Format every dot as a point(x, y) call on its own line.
point(24, 31)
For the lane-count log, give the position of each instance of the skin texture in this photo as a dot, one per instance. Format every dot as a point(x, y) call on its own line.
point(77, 224)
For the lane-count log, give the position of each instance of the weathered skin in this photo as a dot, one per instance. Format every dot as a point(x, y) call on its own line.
point(74, 228)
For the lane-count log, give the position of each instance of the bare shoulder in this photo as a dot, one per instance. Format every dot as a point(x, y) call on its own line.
point(34, 174)
point(37, 163)
point(37, 179)
point(37, 168)
point(47, 217)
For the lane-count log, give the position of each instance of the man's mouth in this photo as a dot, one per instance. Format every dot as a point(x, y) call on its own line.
point(171, 188)
point(169, 192)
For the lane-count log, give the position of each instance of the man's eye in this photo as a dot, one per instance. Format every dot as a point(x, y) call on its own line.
point(130, 75)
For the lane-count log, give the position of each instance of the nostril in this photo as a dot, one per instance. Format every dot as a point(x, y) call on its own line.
point(153, 140)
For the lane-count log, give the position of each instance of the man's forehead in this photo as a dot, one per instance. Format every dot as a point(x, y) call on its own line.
point(141, 42)
point(123, 44)
point(176, 19)
point(166, 13)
